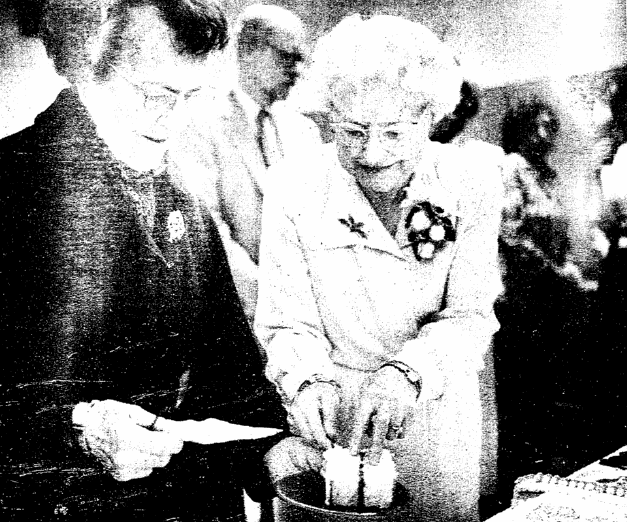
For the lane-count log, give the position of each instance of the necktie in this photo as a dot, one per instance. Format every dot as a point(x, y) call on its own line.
point(267, 138)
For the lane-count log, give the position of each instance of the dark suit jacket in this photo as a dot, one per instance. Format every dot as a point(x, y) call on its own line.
point(96, 306)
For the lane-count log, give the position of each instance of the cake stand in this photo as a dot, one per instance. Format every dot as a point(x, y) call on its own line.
point(301, 499)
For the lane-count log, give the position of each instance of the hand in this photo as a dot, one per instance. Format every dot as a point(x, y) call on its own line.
point(117, 435)
point(387, 401)
point(313, 413)
point(291, 456)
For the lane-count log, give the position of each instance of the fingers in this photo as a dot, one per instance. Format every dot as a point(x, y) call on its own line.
point(381, 426)
point(329, 415)
point(362, 420)
point(291, 456)
point(397, 427)
point(129, 465)
point(130, 423)
point(135, 452)
point(305, 457)
point(318, 433)
point(310, 426)
point(379, 417)
point(112, 433)
point(314, 412)
point(133, 437)
point(131, 412)
point(315, 460)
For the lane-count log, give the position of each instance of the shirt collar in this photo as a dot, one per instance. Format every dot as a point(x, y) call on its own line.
point(251, 107)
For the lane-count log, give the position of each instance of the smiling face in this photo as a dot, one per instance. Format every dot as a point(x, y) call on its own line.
point(380, 136)
point(138, 108)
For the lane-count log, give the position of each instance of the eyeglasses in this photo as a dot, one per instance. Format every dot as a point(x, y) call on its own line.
point(391, 136)
point(157, 98)
point(288, 58)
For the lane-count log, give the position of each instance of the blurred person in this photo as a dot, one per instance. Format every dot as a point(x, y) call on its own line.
point(612, 298)
point(28, 82)
point(253, 131)
point(552, 251)
point(536, 216)
point(121, 323)
point(379, 270)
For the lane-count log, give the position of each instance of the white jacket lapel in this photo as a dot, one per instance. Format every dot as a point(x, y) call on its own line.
point(348, 219)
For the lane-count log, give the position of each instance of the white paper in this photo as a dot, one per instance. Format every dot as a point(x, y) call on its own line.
point(212, 431)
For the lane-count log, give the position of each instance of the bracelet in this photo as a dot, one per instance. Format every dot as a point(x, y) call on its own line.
point(410, 374)
point(317, 378)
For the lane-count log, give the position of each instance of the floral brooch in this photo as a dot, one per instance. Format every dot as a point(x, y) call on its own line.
point(176, 226)
point(354, 227)
point(429, 228)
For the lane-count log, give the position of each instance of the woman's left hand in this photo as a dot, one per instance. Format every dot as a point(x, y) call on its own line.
point(293, 455)
point(387, 401)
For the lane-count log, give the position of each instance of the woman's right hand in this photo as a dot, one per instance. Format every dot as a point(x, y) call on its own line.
point(119, 435)
point(313, 413)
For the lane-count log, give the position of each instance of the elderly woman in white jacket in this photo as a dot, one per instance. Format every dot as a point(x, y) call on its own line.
point(379, 268)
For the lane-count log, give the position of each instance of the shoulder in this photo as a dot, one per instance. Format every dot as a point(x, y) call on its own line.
point(287, 115)
point(25, 153)
point(208, 116)
point(304, 183)
point(472, 178)
point(15, 145)
point(294, 124)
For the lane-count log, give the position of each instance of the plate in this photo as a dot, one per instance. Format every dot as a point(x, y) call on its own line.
point(303, 496)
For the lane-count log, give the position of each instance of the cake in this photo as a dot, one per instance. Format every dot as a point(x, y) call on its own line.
point(350, 481)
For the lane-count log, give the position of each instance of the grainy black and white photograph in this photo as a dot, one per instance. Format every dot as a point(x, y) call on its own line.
point(313, 260)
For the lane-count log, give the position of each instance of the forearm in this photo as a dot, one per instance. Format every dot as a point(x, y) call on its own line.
point(294, 356)
point(452, 345)
point(454, 341)
point(288, 323)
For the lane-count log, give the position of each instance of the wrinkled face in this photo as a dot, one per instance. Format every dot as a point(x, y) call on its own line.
point(379, 138)
point(277, 68)
point(140, 106)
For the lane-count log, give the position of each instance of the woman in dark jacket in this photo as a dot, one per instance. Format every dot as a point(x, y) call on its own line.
point(116, 294)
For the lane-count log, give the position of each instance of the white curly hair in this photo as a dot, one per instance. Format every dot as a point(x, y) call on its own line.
point(381, 49)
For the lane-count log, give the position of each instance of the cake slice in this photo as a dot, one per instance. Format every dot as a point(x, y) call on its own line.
point(352, 482)
point(341, 477)
point(378, 481)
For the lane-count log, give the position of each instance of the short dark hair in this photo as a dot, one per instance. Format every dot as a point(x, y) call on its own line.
point(27, 15)
point(260, 26)
point(254, 34)
point(198, 26)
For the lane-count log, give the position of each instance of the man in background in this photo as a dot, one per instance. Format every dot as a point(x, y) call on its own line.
point(256, 130)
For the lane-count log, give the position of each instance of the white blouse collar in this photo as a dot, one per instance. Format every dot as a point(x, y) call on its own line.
point(348, 218)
